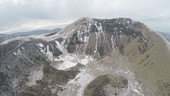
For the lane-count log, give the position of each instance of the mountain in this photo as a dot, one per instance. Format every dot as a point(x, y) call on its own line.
point(4, 37)
point(36, 32)
point(90, 57)
point(165, 35)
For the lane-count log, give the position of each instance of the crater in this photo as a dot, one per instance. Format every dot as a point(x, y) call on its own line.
point(107, 85)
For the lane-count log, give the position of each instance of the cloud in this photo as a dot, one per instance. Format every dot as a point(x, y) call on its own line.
point(37, 25)
point(16, 13)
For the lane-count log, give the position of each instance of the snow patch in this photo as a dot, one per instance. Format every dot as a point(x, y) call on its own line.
point(60, 46)
point(115, 28)
point(49, 54)
point(40, 45)
point(71, 60)
point(66, 65)
point(128, 22)
point(97, 36)
point(18, 53)
point(22, 48)
point(15, 53)
point(112, 38)
point(68, 62)
point(86, 60)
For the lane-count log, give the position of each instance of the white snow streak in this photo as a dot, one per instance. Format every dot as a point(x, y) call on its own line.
point(61, 47)
point(112, 43)
point(49, 54)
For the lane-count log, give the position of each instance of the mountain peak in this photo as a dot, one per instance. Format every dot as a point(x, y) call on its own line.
point(90, 57)
point(87, 24)
point(100, 37)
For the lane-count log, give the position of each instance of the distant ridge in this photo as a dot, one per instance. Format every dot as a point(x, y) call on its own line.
point(165, 35)
point(37, 32)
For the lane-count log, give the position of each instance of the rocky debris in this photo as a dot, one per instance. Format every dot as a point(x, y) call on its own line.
point(107, 85)
point(51, 84)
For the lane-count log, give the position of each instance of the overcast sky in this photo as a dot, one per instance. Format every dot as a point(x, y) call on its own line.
point(23, 15)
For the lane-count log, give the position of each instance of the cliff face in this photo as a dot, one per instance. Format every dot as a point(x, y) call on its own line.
point(108, 57)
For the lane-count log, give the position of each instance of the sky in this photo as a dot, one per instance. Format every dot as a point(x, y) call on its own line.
point(26, 15)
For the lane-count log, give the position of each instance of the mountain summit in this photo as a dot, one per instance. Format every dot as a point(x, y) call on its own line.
point(100, 37)
point(90, 57)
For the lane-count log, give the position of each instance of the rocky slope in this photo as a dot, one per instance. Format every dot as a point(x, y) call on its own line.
point(91, 57)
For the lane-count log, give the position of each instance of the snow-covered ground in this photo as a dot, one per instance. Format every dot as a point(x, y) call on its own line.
point(70, 60)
